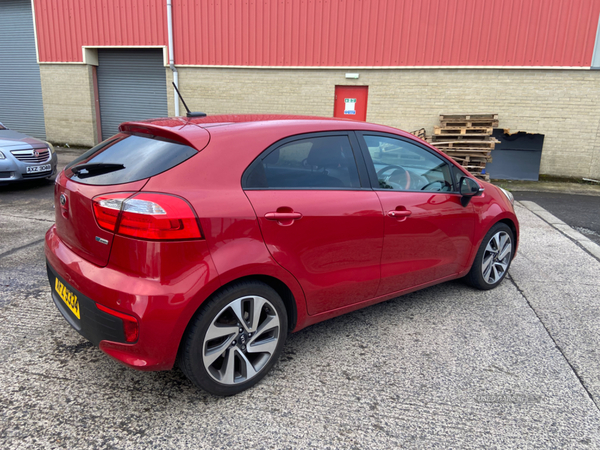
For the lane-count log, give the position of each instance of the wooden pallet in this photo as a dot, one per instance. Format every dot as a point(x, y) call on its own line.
point(444, 117)
point(462, 131)
point(469, 123)
point(484, 176)
point(469, 120)
point(465, 145)
point(421, 133)
point(462, 137)
point(486, 156)
point(466, 138)
point(469, 158)
point(467, 161)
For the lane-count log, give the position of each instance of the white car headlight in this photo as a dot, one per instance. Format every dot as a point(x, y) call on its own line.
point(509, 196)
point(2, 156)
point(51, 147)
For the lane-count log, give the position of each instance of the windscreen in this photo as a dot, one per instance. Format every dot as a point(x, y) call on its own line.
point(125, 158)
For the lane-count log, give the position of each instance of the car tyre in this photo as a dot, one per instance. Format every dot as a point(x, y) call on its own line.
point(493, 258)
point(235, 339)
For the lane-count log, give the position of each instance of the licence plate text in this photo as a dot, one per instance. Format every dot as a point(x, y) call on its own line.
point(36, 169)
point(68, 297)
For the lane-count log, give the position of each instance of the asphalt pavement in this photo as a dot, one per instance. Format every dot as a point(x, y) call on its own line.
point(582, 212)
point(445, 367)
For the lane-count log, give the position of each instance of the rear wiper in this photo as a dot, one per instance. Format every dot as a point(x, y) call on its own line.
point(93, 169)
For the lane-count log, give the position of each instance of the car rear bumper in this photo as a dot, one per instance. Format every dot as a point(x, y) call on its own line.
point(162, 309)
point(92, 323)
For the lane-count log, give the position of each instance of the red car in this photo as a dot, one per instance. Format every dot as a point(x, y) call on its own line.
point(204, 241)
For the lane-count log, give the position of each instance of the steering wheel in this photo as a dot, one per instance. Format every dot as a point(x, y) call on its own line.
point(386, 168)
point(443, 183)
point(399, 178)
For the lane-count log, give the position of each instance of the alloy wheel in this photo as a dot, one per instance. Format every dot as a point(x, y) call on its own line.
point(241, 340)
point(496, 257)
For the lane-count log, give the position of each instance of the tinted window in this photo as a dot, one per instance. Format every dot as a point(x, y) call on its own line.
point(318, 162)
point(403, 166)
point(140, 157)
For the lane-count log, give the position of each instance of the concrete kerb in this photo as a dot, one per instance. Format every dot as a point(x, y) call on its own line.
point(589, 246)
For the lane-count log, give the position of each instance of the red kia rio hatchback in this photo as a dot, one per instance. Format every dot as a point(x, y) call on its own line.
point(202, 242)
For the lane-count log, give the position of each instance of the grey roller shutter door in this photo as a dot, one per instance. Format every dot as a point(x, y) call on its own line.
point(21, 106)
point(132, 85)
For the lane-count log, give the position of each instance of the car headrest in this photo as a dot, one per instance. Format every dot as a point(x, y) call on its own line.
point(326, 152)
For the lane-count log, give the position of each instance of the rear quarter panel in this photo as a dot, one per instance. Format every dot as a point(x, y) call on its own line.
point(211, 182)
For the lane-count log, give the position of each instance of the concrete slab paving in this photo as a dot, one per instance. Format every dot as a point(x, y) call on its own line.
point(446, 367)
point(562, 285)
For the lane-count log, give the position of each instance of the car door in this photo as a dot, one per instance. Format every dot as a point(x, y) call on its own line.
point(319, 217)
point(427, 233)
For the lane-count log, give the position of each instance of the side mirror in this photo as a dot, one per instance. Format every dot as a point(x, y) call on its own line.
point(469, 188)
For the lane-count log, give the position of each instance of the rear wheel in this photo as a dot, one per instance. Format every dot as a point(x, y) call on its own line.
point(493, 258)
point(235, 339)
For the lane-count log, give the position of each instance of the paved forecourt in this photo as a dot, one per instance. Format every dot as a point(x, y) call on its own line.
point(445, 367)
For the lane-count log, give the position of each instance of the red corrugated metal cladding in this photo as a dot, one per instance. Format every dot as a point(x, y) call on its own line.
point(64, 26)
point(349, 33)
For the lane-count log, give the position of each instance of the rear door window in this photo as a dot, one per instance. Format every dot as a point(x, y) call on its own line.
point(318, 162)
point(126, 158)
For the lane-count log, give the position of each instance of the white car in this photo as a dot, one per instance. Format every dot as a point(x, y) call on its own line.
point(23, 157)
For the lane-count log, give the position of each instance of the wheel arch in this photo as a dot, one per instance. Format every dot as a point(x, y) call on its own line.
point(513, 227)
point(277, 285)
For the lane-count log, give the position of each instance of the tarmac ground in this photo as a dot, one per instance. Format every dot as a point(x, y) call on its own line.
point(582, 212)
point(445, 367)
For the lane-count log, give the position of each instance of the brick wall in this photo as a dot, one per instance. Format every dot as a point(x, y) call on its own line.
point(564, 105)
point(68, 95)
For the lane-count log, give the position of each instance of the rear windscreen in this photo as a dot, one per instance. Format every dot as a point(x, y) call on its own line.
point(125, 158)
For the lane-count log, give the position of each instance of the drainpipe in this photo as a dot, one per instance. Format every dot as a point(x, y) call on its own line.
point(171, 56)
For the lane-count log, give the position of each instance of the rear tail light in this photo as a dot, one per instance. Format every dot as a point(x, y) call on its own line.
point(130, 323)
point(147, 216)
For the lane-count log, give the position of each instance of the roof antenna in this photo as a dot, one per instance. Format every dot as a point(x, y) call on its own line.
point(189, 113)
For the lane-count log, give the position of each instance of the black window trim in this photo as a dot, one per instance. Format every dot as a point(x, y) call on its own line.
point(374, 182)
point(357, 151)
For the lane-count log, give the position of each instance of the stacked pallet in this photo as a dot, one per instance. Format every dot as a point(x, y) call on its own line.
point(420, 133)
point(467, 139)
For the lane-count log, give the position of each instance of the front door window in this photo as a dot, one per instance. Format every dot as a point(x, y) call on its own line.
point(403, 166)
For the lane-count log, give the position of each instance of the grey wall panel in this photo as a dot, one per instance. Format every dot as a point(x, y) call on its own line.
point(132, 85)
point(21, 106)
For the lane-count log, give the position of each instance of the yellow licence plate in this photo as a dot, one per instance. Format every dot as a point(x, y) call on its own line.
point(68, 297)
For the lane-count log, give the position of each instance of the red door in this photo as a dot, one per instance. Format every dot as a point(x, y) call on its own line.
point(317, 220)
point(351, 102)
point(430, 239)
point(427, 233)
point(333, 250)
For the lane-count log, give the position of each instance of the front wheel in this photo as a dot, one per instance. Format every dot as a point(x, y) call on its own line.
point(493, 258)
point(235, 339)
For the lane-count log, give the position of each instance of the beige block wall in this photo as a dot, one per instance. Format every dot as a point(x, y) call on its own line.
point(68, 95)
point(564, 105)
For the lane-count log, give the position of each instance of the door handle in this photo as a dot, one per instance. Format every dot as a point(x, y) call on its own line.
point(400, 214)
point(283, 216)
